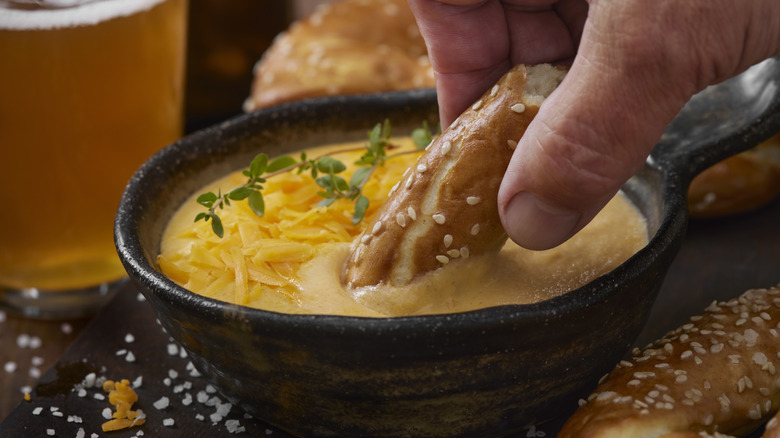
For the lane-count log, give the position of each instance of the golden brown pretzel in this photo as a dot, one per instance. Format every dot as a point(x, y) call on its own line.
point(738, 184)
point(346, 47)
point(718, 373)
point(445, 207)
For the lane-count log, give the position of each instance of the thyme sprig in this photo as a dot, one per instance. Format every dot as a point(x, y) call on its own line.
point(324, 169)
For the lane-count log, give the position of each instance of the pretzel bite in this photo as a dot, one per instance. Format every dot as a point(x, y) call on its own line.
point(716, 374)
point(345, 47)
point(738, 184)
point(445, 206)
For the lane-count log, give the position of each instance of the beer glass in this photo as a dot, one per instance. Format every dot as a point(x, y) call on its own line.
point(89, 89)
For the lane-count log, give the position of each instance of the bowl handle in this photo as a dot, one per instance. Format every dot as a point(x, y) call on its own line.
point(722, 120)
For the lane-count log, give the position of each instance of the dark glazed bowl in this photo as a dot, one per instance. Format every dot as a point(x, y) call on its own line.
point(487, 372)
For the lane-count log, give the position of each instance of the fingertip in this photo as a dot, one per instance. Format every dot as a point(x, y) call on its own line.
point(536, 224)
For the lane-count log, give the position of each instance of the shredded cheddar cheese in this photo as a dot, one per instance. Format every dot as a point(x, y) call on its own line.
point(122, 396)
point(261, 255)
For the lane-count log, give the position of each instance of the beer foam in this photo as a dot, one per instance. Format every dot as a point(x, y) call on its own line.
point(88, 14)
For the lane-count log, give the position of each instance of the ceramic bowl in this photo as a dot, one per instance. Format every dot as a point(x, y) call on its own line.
point(486, 372)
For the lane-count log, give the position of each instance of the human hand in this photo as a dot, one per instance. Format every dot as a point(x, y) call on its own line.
point(634, 64)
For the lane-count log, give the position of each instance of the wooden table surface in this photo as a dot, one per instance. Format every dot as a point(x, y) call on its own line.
point(719, 260)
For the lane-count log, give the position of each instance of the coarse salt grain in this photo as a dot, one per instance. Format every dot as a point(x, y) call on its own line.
point(193, 371)
point(162, 403)
point(129, 338)
point(23, 340)
point(35, 342)
point(37, 410)
point(50, 432)
point(168, 422)
point(9, 367)
point(130, 357)
point(173, 349)
point(234, 426)
point(213, 401)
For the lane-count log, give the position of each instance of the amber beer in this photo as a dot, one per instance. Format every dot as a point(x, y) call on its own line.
point(87, 94)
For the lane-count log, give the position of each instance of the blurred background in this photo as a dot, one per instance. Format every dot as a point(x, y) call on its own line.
point(226, 38)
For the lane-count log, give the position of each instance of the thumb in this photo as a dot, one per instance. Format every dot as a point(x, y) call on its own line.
point(588, 138)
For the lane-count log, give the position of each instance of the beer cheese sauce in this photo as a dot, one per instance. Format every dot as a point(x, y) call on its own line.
point(292, 259)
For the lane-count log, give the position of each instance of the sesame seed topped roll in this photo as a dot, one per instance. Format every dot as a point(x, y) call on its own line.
point(445, 207)
point(715, 375)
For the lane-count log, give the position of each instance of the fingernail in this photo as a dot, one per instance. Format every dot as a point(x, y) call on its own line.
point(536, 224)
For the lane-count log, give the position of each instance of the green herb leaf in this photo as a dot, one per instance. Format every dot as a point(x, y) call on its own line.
point(202, 216)
point(330, 165)
point(361, 205)
point(339, 183)
point(373, 137)
point(240, 193)
point(422, 137)
point(325, 182)
point(281, 163)
point(207, 199)
point(326, 202)
point(258, 165)
point(257, 203)
point(359, 177)
point(216, 225)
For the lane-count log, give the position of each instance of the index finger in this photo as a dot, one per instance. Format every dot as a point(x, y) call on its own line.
point(471, 43)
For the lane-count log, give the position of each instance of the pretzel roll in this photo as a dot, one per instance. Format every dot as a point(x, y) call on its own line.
point(717, 373)
point(772, 429)
point(445, 206)
point(738, 184)
point(345, 47)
